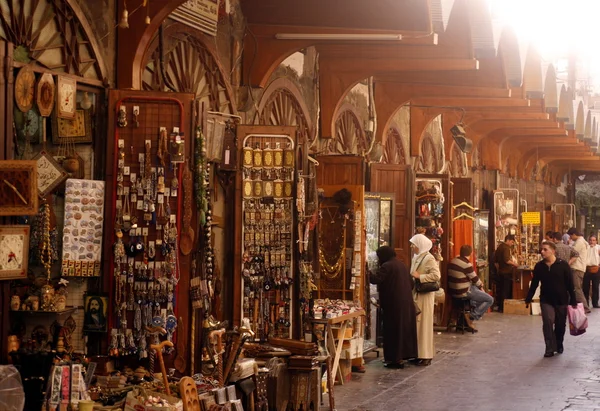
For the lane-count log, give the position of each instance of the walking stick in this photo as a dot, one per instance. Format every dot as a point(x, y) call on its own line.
point(158, 348)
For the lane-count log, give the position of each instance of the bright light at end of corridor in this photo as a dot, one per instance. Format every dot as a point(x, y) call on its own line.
point(555, 27)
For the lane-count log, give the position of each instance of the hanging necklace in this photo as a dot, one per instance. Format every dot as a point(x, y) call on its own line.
point(331, 267)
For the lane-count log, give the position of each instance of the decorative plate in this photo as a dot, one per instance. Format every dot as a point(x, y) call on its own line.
point(45, 94)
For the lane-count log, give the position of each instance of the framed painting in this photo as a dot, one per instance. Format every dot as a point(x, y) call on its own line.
point(95, 308)
point(50, 173)
point(14, 251)
point(75, 130)
point(18, 187)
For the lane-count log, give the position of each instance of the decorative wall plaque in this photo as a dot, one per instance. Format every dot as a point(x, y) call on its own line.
point(18, 187)
point(14, 251)
point(50, 173)
point(66, 97)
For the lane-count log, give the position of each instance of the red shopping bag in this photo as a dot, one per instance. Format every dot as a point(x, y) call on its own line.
point(578, 322)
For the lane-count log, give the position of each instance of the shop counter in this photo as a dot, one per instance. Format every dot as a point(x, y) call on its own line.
point(521, 278)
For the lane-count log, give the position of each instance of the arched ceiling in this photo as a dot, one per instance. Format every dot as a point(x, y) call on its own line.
point(452, 61)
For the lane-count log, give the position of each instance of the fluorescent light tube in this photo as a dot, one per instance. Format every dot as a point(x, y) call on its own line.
point(338, 36)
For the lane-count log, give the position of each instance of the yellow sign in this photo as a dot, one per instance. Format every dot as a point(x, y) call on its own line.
point(531, 218)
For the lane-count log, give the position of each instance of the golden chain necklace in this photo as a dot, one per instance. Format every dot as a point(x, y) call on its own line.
point(330, 270)
point(46, 254)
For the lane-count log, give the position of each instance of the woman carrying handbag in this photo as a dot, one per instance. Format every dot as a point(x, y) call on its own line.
point(592, 276)
point(425, 270)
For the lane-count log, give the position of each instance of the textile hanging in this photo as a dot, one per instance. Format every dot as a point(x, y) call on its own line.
point(462, 234)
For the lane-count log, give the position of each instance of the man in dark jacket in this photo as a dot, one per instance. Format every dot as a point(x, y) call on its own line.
point(505, 265)
point(557, 292)
point(399, 317)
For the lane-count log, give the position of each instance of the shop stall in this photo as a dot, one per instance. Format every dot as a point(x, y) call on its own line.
point(379, 228)
point(432, 218)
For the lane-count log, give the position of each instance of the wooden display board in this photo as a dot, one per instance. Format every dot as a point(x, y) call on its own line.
point(155, 110)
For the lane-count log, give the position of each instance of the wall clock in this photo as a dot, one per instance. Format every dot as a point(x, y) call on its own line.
point(28, 125)
point(18, 187)
point(75, 130)
point(24, 88)
point(50, 173)
point(45, 94)
point(66, 92)
point(14, 251)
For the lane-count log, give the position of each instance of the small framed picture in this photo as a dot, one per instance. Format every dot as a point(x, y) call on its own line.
point(95, 308)
point(14, 251)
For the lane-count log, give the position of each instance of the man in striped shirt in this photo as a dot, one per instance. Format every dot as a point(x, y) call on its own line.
point(463, 282)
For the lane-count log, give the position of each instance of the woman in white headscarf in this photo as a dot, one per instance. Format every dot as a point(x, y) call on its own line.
point(425, 268)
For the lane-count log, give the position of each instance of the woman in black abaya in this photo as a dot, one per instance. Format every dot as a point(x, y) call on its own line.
point(399, 318)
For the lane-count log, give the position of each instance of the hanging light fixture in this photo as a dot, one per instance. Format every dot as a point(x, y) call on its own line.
point(124, 23)
point(147, 5)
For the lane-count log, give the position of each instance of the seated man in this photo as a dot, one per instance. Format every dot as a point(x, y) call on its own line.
point(463, 282)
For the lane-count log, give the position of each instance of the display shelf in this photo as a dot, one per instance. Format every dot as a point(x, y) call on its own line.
point(40, 312)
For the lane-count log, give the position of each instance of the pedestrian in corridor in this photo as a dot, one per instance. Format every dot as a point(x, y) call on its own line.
point(591, 278)
point(556, 293)
point(425, 268)
point(399, 315)
point(578, 266)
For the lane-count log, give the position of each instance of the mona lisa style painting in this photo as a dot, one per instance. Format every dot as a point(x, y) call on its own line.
point(95, 319)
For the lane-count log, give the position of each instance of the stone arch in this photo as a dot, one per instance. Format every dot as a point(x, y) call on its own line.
point(580, 121)
point(458, 162)
point(191, 66)
point(394, 151)
point(483, 37)
point(428, 160)
point(349, 134)
point(550, 90)
point(532, 75)
point(512, 56)
point(440, 14)
point(282, 104)
point(565, 105)
point(587, 133)
point(54, 34)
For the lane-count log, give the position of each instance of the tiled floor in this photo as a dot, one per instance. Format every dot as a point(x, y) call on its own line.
point(500, 368)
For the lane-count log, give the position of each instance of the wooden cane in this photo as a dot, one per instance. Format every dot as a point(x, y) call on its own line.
point(158, 348)
point(216, 339)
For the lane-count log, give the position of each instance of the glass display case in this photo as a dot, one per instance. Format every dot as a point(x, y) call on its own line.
point(379, 227)
point(506, 215)
point(480, 245)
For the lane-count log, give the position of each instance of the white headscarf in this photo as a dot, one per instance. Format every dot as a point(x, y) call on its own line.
point(424, 244)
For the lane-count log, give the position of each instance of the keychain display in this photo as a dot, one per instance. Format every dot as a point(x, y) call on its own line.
point(146, 248)
point(268, 225)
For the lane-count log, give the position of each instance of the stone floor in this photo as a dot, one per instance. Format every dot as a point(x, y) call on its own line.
point(499, 368)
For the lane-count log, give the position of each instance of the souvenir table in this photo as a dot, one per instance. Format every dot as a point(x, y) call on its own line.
point(333, 343)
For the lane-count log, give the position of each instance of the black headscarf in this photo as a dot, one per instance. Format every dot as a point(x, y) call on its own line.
point(385, 254)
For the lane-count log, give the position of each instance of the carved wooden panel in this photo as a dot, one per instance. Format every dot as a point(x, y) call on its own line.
point(428, 161)
point(349, 134)
point(398, 179)
point(458, 162)
point(340, 170)
point(189, 67)
point(282, 108)
point(393, 148)
point(50, 33)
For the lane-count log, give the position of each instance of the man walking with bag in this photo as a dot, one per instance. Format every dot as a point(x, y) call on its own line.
point(557, 292)
point(578, 266)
